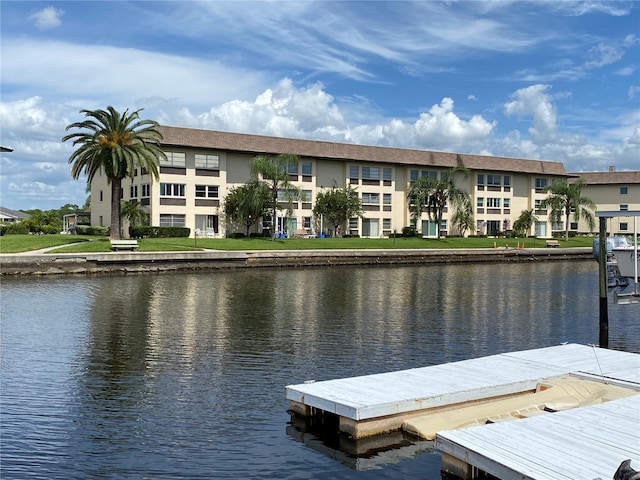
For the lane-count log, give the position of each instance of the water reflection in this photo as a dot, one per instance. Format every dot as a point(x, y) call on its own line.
point(183, 375)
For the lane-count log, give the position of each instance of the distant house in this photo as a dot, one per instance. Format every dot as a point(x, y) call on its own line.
point(71, 220)
point(11, 216)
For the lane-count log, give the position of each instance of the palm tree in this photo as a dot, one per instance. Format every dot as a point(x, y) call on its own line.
point(274, 171)
point(523, 223)
point(429, 194)
point(566, 198)
point(115, 144)
point(134, 213)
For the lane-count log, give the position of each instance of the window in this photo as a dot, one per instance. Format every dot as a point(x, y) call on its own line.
point(353, 172)
point(171, 220)
point(371, 198)
point(133, 191)
point(206, 191)
point(480, 202)
point(493, 180)
point(172, 190)
point(624, 207)
point(537, 204)
point(493, 203)
point(387, 174)
point(306, 222)
point(506, 181)
point(353, 223)
point(624, 190)
point(480, 179)
point(541, 183)
point(306, 195)
point(413, 175)
point(386, 199)
point(207, 161)
point(430, 173)
point(145, 190)
point(386, 224)
point(292, 168)
point(101, 196)
point(307, 168)
point(506, 202)
point(370, 173)
point(624, 226)
point(174, 159)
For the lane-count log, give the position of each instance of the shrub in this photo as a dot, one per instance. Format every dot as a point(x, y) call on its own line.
point(409, 232)
point(158, 232)
point(3, 229)
point(17, 228)
point(89, 230)
point(49, 229)
point(236, 235)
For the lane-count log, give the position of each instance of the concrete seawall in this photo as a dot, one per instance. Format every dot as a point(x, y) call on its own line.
point(142, 262)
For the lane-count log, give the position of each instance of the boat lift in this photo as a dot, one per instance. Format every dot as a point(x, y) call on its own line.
point(621, 298)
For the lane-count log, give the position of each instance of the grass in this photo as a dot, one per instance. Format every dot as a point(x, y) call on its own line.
point(82, 244)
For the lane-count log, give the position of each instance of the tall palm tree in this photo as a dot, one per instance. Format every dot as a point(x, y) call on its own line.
point(115, 144)
point(566, 198)
point(429, 194)
point(274, 171)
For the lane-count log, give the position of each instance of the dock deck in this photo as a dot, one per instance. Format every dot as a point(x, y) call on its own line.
point(374, 404)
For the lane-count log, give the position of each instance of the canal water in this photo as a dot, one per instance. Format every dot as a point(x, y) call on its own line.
point(183, 375)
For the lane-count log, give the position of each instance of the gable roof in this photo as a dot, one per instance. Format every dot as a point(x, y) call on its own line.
point(608, 178)
point(259, 144)
point(12, 214)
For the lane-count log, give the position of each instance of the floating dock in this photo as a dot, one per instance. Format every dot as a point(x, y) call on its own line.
point(375, 404)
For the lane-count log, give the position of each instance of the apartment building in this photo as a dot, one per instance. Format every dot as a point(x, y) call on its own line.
point(203, 165)
point(612, 191)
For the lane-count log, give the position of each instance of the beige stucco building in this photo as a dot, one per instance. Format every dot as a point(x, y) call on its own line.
point(203, 165)
point(614, 192)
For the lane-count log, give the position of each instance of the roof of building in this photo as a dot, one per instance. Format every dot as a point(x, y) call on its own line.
point(608, 178)
point(8, 213)
point(259, 144)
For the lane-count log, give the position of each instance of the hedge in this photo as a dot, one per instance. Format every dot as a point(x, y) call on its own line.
point(158, 232)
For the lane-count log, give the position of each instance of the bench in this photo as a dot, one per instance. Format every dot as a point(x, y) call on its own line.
point(553, 243)
point(300, 233)
point(124, 245)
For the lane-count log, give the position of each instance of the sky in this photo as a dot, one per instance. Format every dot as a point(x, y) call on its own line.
point(550, 79)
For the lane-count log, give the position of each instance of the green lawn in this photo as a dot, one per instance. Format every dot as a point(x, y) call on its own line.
point(79, 244)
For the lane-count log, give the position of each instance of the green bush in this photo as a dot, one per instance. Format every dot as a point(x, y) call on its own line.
point(89, 230)
point(236, 235)
point(49, 229)
point(3, 229)
point(158, 232)
point(17, 229)
point(409, 231)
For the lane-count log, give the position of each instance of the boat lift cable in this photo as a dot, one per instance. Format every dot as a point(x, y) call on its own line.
point(593, 347)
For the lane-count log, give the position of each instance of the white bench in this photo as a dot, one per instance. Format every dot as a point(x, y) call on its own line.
point(124, 245)
point(553, 243)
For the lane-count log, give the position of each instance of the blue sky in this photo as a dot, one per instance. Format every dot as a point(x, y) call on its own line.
point(552, 80)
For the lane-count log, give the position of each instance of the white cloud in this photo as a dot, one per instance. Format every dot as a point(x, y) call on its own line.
point(633, 91)
point(535, 102)
point(92, 76)
point(48, 17)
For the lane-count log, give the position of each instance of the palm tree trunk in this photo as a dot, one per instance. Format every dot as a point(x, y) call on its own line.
point(566, 229)
point(116, 222)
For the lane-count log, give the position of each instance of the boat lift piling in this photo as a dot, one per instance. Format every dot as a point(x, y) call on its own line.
point(602, 269)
